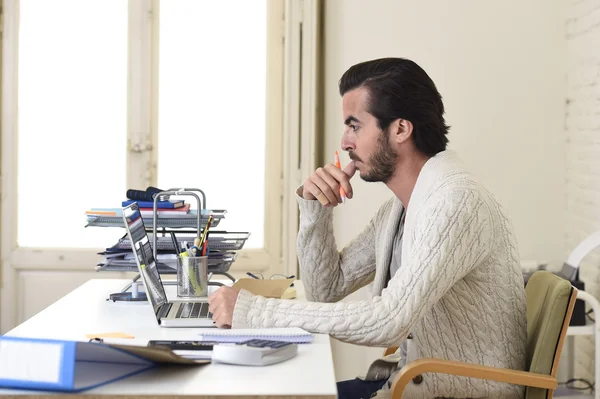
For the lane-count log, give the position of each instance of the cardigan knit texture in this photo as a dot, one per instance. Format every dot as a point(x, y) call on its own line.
point(459, 291)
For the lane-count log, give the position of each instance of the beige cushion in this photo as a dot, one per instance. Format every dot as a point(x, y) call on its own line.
point(547, 301)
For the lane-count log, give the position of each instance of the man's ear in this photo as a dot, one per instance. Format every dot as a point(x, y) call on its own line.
point(401, 130)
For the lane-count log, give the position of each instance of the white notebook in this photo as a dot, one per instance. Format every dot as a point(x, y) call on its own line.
point(291, 334)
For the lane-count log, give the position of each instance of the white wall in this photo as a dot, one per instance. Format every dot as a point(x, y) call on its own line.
point(583, 149)
point(500, 68)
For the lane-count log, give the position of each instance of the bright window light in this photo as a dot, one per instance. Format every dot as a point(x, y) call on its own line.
point(72, 119)
point(212, 73)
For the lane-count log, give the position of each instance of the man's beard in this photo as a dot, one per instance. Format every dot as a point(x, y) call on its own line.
point(382, 163)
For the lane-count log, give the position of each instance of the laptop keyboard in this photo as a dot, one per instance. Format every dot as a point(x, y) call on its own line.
point(189, 310)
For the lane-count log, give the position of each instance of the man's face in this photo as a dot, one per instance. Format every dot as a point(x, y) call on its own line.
point(367, 145)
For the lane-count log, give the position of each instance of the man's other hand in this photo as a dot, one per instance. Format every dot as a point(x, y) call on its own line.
point(324, 184)
point(221, 304)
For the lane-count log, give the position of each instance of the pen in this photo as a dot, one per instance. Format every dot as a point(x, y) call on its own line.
point(205, 245)
point(252, 275)
point(339, 166)
point(175, 245)
point(200, 240)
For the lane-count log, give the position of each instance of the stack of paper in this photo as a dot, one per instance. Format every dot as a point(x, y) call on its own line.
point(183, 211)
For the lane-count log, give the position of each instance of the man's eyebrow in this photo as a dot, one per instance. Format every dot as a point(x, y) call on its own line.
point(350, 119)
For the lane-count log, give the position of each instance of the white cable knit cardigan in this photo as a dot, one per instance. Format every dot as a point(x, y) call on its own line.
point(459, 290)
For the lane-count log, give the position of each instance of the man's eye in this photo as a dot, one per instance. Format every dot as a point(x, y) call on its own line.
point(354, 128)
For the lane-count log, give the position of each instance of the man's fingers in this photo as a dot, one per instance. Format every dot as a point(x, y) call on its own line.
point(214, 301)
point(222, 320)
point(216, 312)
point(211, 297)
point(212, 307)
point(317, 187)
point(343, 176)
point(312, 191)
point(350, 169)
point(331, 182)
point(324, 184)
point(306, 191)
point(324, 187)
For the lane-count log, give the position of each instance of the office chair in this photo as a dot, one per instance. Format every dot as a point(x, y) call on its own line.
point(550, 302)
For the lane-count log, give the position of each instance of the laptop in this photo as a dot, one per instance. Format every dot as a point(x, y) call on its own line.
point(185, 313)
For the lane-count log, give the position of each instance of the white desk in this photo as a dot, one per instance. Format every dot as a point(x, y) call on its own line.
point(86, 311)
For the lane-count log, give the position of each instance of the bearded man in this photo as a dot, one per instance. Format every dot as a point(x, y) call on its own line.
point(441, 254)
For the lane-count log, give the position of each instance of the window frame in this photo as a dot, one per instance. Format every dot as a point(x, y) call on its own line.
point(276, 256)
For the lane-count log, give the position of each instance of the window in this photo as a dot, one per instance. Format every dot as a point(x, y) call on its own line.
point(208, 131)
point(212, 106)
point(96, 100)
point(72, 119)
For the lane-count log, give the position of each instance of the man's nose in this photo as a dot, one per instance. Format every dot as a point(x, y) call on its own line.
point(347, 143)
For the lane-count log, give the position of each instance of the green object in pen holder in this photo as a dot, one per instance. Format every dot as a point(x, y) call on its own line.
point(192, 276)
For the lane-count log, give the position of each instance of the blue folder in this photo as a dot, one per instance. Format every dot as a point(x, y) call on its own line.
point(73, 366)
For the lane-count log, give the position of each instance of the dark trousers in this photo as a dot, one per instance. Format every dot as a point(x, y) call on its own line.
point(358, 389)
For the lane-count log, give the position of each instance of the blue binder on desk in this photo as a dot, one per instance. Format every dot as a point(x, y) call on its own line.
point(73, 366)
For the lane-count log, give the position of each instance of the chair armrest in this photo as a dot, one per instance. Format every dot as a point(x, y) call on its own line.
point(417, 367)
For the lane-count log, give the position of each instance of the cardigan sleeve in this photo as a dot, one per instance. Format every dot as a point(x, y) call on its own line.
point(329, 275)
point(452, 234)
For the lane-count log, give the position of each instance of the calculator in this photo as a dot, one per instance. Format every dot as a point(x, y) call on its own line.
point(254, 352)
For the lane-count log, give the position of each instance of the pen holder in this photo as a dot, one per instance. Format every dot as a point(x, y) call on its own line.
point(192, 276)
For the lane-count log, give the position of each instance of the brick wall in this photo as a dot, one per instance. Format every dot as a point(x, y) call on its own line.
point(582, 129)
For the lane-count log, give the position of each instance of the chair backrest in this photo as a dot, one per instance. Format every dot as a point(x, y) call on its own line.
point(550, 302)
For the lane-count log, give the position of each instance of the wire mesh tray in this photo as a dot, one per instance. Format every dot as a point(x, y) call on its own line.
point(221, 265)
point(217, 241)
point(128, 267)
point(227, 240)
point(217, 262)
point(187, 221)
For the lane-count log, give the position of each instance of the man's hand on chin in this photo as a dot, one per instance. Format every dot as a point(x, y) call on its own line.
point(221, 304)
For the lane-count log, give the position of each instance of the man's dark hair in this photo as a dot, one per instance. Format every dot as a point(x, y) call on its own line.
point(401, 89)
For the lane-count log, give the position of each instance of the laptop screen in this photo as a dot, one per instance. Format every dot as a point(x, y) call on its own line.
point(142, 250)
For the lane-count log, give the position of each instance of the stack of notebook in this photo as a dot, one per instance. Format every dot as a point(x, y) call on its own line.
point(287, 334)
